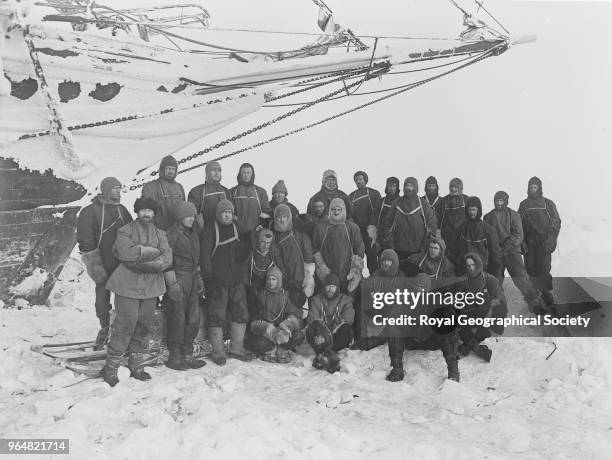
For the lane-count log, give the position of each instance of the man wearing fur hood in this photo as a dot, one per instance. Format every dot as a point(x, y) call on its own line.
point(338, 248)
point(329, 191)
point(250, 201)
point(97, 227)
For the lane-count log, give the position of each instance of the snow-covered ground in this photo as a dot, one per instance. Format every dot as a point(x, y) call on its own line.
point(521, 405)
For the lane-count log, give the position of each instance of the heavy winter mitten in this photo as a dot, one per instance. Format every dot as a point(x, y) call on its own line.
point(286, 329)
point(308, 284)
point(148, 253)
point(94, 266)
point(271, 332)
point(319, 336)
point(321, 268)
point(355, 273)
point(372, 233)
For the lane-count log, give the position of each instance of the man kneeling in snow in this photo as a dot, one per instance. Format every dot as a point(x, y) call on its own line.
point(276, 327)
point(137, 282)
point(330, 324)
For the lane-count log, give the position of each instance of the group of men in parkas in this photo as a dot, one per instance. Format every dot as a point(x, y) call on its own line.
point(279, 277)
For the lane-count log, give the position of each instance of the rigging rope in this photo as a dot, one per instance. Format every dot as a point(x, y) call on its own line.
point(481, 57)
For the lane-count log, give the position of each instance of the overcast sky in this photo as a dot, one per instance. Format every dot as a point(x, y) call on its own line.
point(539, 109)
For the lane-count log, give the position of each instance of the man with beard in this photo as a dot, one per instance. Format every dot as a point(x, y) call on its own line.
point(433, 262)
point(97, 227)
point(260, 261)
point(338, 248)
point(275, 328)
point(330, 324)
point(478, 282)
point(206, 196)
point(144, 254)
point(329, 191)
point(391, 194)
point(452, 208)
point(184, 285)
point(509, 230)
point(409, 224)
point(318, 218)
point(293, 255)
point(433, 198)
point(166, 191)
point(477, 236)
point(279, 196)
point(366, 204)
point(251, 201)
point(541, 226)
point(223, 255)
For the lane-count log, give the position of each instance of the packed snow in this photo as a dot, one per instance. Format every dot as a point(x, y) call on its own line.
point(527, 403)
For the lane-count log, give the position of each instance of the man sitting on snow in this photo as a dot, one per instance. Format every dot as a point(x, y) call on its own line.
point(330, 324)
point(478, 281)
point(275, 328)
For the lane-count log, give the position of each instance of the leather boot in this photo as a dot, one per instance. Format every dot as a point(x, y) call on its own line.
point(320, 361)
point(136, 367)
point(397, 371)
point(452, 364)
point(193, 362)
point(483, 352)
point(215, 335)
point(333, 361)
point(109, 371)
point(175, 359)
point(237, 350)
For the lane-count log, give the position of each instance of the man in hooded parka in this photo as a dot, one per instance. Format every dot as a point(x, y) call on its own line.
point(329, 191)
point(223, 257)
point(433, 261)
point(391, 195)
point(292, 251)
point(144, 254)
point(184, 285)
point(275, 326)
point(541, 227)
point(452, 217)
point(477, 236)
point(409, 224)
point(206, 196)
point(250, 200)
point(166, 191)
point(480, 283)
point(338, 248)
point(434, 200)
point(97, 226)
point(509, 229)
point(366, 203)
